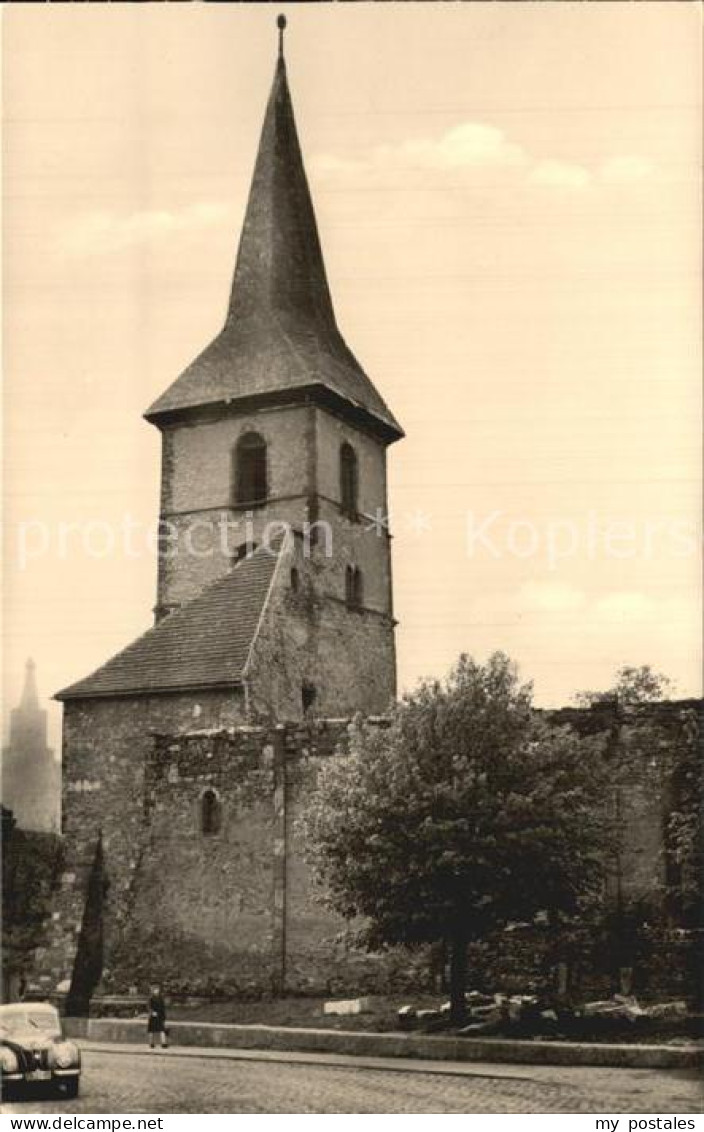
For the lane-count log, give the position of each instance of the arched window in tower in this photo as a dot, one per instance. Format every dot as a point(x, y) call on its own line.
point(210, 813)
point(349, 480)
point(250, 471)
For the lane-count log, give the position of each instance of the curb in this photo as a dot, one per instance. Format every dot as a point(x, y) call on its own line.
point(218, 1036)
point(323, 1060)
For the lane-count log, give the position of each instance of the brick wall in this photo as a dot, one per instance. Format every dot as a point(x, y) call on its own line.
point(347, 655)
point(309, 638)
point(106, 747)
point(645, 743)
point(225, 913)
point(233, 912)
point(197, 495)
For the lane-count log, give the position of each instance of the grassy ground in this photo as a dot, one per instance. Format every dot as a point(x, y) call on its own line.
point(300, 1012)
point(308, 1012)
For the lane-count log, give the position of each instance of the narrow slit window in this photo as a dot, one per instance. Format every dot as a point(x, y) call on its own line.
point(210, 813)
point(308, 694)
point(250, 470)
point(357, 588)
point(354, 587)
point(349, 481)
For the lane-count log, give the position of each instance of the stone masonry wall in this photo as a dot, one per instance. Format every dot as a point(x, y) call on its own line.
point(233, 911)
point(306, 639)
point(202, 915)
point(644, 743)
point(197, 494)
point(346, 654)
point(106, 745)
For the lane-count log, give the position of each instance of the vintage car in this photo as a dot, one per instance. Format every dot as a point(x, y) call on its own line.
point(34, 1049)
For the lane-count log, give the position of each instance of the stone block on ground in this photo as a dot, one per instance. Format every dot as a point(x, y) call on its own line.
point(349, 1006)
point(620, 1007)
point(667, 1011)
point(476, 998)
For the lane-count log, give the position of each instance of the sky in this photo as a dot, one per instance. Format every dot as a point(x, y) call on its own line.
point(508, 197)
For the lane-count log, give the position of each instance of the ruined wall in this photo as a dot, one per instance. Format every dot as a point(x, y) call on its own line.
point(644, 743)
point(319, 957)
point(202, 915)
point(106, 746)
point(232, 912)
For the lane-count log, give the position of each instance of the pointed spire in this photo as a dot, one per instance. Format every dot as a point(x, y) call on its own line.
point(280, 338)
point(280, 267)
point(30, 697)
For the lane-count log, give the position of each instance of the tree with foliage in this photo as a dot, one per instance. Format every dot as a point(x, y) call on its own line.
point(466, 813)
point(30, 864)
point(631, 686)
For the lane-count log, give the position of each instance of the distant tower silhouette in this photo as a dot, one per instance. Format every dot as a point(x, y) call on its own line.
point(31, 780)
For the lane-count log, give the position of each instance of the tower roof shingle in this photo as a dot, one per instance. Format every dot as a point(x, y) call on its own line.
point(280, 340)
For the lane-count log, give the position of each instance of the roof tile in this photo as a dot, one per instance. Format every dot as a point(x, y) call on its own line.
point(204, 643)
point(280, 335)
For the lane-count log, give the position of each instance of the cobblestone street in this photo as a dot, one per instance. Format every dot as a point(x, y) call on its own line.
point(168, 1082)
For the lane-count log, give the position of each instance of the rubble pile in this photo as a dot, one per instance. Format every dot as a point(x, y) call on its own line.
point(531, 1015)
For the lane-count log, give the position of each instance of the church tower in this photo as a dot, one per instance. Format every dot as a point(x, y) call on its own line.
point(276, 422)
point(273, 436)
point(31, 785)
point(185, 755)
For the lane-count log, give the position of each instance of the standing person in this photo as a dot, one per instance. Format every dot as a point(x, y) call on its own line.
point(157, 1018)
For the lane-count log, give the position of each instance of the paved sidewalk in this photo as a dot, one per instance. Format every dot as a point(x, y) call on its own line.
point(601, 1079)
point(339, 1060)
point(415, 1047)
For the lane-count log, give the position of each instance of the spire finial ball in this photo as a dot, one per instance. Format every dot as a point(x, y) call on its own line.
point(281, 22)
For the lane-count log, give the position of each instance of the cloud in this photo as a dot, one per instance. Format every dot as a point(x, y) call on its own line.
point(560, 175)
point(550, 597)
point(595, 613)
point(468, 145)
point(532, 597)
point(625, 170)
point(104, 230)
point(479, 146)
point(625, 605)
